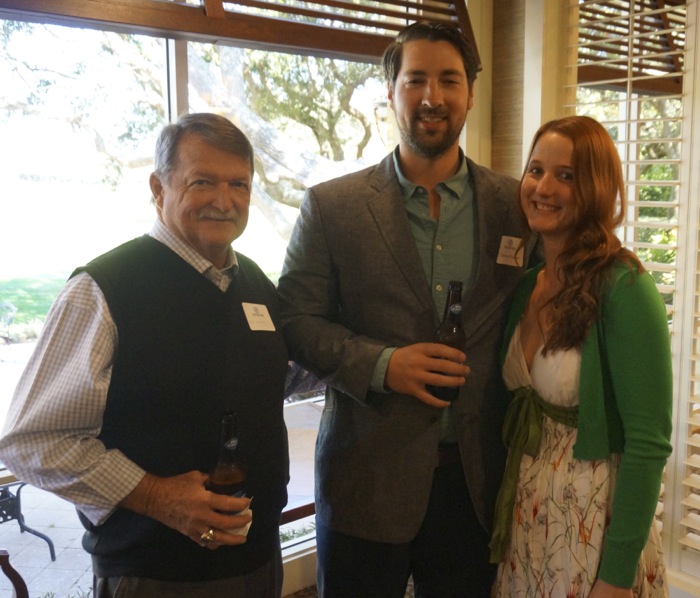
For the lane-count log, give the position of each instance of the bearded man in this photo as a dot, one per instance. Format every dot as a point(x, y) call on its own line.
point(406, 483)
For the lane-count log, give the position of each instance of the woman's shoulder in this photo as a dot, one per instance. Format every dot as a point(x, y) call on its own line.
point(623, 273)
point(632, 290)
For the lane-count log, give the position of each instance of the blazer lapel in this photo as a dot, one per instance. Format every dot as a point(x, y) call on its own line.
point(388, 209)
point(488, 201)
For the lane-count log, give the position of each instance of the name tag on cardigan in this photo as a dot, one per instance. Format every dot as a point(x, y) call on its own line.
point(510, 253)
point(258, 317)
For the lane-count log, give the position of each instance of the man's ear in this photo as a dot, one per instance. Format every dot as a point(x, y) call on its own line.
point(470, 97)
point(390, 95)
point(156, 190)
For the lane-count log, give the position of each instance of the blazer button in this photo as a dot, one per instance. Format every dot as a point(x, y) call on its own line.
point(433, 420)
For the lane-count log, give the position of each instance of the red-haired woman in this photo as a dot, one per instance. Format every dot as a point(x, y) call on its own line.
point(587, 358)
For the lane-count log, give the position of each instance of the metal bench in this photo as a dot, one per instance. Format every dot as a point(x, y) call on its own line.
point(11, 505)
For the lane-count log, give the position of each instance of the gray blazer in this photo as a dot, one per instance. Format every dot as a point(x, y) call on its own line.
point(353, 284)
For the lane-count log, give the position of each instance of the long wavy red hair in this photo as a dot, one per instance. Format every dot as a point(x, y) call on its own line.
point(593, 247)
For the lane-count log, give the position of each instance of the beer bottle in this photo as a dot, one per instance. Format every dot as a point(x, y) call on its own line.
point(450, 333)
point(229, 473)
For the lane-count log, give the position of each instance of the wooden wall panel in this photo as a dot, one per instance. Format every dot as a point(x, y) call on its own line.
point(508, 86)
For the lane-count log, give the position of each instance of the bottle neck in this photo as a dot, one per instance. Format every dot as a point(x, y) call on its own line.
point(229, 438)
point(454, 298)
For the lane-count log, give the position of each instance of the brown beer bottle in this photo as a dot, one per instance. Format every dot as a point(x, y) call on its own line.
point(229, 473)
point(451, 333)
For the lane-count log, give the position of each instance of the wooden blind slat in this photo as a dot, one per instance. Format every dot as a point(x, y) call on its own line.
point(214, 9)
point(206, 24)
point(349, 17)
point(651, 40)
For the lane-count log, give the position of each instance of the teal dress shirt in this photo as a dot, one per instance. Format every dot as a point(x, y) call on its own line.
point(445, 246)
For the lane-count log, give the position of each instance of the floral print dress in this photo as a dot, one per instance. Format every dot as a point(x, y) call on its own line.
point(562, 504)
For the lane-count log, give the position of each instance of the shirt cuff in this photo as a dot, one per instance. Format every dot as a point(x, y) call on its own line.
point(379, 374)
point(108, 494)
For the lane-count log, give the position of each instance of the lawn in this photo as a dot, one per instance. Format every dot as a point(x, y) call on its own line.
point(31, 296)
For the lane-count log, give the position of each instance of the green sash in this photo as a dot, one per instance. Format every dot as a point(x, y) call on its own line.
point(522, 431)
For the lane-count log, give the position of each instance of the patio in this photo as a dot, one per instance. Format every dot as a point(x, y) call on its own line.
point(70, 575)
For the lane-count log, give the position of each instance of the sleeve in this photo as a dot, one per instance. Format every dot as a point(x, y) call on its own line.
point(311, 310)
point(639, 363)
point(379, 375)
point(50, 435)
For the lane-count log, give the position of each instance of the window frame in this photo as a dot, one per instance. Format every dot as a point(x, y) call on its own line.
point(213, 23)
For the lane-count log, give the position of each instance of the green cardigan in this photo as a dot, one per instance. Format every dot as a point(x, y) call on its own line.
point(625, 405)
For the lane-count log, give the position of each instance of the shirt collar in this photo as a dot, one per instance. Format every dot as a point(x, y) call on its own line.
point(162, 233)
point(456, 183)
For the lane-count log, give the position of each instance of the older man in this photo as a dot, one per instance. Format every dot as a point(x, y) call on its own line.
point(119, 408)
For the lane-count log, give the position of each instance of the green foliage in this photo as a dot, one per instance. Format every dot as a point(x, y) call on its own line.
point(658, 193)
point(296, 532)
point(653, 161)
point(314, 92)
point(73, 81)
point(31, 296)
point(81, 594)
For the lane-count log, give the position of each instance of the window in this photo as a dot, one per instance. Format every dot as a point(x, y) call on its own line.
point(78, 123)
point(632, 76)
point(82, 109)
point(304, 126)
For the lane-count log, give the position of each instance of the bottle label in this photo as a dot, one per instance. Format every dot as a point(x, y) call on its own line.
point(232, 443)
point(456, 309)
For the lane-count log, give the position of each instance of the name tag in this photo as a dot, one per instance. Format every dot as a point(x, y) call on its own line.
point(258, 317)
point(510, 253)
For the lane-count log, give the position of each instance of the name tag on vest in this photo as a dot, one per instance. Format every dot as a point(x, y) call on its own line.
point(258, 317)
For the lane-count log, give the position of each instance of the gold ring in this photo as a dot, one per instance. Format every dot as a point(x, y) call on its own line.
point(206, 538)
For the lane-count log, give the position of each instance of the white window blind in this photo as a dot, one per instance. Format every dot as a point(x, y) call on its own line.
point(630, 77)
point(630, 61)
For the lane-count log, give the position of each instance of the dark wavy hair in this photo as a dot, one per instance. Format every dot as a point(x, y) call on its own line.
point(432, 31)
point(592, 247)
